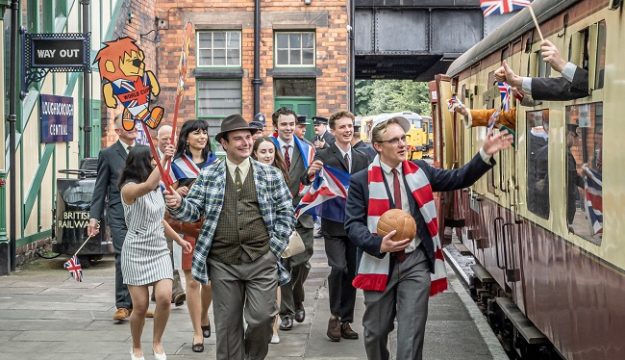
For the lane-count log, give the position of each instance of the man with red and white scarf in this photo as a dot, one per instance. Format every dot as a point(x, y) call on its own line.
point(398, 277)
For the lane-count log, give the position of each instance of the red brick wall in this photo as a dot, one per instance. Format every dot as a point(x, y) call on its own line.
point(328, 18)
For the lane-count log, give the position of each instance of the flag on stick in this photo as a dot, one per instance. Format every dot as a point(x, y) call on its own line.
point(326, 195)
point(73, 266)
point(500, 7)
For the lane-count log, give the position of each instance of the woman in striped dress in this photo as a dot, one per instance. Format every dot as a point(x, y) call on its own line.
point(145, 256)
point(193, 153)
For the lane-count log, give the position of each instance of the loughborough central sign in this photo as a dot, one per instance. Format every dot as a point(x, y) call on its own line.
point(57, 118)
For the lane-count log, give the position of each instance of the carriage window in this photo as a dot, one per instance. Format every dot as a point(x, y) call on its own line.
point(537, 162)
point(600, 64)
point(584, 139)
point(544, 68)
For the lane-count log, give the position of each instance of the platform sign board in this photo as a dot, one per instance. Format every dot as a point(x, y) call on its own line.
point(57, 118)
point(67, 51)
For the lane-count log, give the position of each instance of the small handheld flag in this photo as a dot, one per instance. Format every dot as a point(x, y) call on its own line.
point(500, 7)
point(73, 266)
point(454, 103)
point(326, 194)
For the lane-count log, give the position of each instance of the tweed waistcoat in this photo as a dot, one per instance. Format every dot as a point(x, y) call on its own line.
point(240, 228)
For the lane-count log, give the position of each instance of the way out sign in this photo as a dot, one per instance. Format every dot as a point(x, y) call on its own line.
point(68, 51)
point(57, 118)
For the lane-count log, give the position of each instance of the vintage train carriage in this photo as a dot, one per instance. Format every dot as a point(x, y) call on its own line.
point(542, 224)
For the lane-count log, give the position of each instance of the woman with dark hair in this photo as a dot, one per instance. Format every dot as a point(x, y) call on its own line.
point(266, 152)
point(145, 256)
point(193, 153)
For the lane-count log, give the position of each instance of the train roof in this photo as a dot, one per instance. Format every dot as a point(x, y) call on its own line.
point(507, 32)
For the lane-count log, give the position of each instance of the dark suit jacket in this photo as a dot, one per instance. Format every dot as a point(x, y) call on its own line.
point(441, 180)
point(366, 149)
point(328, 138)
point(297, 170)
point(331, 156)
point(560, 89)
point(111, 161)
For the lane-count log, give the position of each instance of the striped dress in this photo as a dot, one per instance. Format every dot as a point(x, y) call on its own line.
point(145, 256)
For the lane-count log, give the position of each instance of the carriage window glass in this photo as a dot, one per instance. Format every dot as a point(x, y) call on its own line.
point(584, 190)
point(544, 68)
point(600, 64)
point(537, 162)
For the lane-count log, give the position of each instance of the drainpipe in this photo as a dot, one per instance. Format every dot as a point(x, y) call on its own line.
point(352, 59)
point(86, 107)
point(5, 261)
point(13, 91)
point(257, 82)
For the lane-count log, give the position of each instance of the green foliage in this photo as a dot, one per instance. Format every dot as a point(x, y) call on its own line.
point(384, 96)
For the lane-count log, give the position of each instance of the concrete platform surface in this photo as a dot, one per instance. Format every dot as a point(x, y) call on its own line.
point(45, 314)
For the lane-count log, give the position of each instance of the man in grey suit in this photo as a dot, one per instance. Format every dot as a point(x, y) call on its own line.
point(340, 250)
point(111, 161)
point(298, 156)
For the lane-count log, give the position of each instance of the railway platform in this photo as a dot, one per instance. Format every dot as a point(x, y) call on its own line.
point(46, 315)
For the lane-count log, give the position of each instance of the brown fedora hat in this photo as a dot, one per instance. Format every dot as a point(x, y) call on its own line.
point(232, 123)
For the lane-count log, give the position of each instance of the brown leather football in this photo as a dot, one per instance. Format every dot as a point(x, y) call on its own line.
point(397, 219)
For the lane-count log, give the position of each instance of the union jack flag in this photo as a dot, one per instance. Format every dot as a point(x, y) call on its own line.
point(73, 266)
point(500, 7)
point(504, 91)
point(454, 103)
point(593, 199)
point(326, 194)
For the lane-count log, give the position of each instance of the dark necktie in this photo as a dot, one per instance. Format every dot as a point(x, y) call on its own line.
point(129, 148)
point(237, 178)
point(400, 256)
point(287, 157)
point(346, 157)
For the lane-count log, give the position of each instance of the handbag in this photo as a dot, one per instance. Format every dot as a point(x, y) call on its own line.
point(295, 246)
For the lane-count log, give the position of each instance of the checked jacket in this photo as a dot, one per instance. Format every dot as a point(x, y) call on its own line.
point(206, 199)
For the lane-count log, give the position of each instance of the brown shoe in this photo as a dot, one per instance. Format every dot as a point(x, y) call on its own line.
point(121, 314)
point(149, 314)
point(347, 332)
point(334, 329)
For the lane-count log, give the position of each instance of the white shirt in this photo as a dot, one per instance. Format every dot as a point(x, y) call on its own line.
point(349, 154)
point(405, 204)
point(291, 147)
point(244, 166)
point(126, 146)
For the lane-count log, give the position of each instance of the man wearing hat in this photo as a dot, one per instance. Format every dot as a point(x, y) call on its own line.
point(248, 219)
point(573, 179)
point(323, 137)
point(300, 129)
point(399, 276)
point(258, 123)
point(360, 145)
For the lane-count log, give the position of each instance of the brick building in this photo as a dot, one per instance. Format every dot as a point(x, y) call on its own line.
point(304, 57)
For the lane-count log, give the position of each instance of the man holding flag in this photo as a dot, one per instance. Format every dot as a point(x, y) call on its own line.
point(297, 156)
point(342, 160)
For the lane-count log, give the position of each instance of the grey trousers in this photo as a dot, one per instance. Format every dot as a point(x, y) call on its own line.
point(405, 298)
point(293, 292)
point(117, 224)
point(246, 290)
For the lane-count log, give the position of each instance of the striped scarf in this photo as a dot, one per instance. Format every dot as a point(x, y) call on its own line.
point(372, 271)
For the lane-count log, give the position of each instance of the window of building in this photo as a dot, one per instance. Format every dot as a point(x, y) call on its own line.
point(219, 48)
point(584, 140)
point(537, 162)
point(295, 48)
point(218, 98)
point(600, 63)
point(295, 87)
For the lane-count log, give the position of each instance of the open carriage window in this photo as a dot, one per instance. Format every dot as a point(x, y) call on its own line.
point(537, 162)
point(584, 139)
point(600, 60)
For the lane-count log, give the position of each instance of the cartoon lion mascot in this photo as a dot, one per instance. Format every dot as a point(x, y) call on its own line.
point(124, 78)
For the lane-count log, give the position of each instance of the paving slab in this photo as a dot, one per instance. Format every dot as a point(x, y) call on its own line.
point(44, 314)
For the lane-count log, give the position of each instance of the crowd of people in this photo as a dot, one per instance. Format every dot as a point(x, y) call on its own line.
point(233, 219)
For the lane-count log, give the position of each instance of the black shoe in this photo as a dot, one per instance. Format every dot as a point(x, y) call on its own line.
point(197, 347)
point(179, 299)
point(206, 330)
point(286, 324)
point(347, 332)
point(300, 314)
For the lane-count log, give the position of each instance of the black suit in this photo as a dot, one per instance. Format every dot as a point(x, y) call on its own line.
point(366, 149)
point(406, 294)
point(327, 137)
point(111, 161)
point(340, 251)
point(560, 89)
